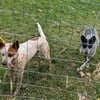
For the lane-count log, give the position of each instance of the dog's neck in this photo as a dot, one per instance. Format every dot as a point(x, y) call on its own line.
point(15, 59)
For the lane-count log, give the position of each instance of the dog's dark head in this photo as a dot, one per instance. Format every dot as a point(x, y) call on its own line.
point(88, 40)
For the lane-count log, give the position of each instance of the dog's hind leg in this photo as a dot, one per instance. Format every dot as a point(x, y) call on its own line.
point(49, 64)
point(47, 56)
point(38, 58)
point(46, 53)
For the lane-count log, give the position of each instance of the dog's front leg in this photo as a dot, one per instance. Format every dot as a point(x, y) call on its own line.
point(87, 60)
point(85, 64)
point(38, 58)
point(19, 82)
point(82, 66)
point(49, 65)
point(11, 80)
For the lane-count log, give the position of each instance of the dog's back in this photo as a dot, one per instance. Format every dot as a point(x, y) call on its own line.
point(90, 32)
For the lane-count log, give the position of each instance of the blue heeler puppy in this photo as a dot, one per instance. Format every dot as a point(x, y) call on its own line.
point(89, 44)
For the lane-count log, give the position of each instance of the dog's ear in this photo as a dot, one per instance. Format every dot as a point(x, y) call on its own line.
point(83, 39)
point(92, 40)
point(16, 45)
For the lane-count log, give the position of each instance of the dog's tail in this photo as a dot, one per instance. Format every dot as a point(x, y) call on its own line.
point(40, 30)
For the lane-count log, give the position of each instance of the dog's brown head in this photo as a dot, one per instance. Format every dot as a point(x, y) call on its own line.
point(12, 53)
point(12, 50)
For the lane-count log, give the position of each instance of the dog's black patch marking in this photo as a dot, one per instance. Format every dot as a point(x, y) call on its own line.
point(92, 41)
point(10, 55)
point(16, 45)
point(84, 41)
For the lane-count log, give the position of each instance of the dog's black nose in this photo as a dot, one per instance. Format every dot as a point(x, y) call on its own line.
point(86, 52)
point(4, 63)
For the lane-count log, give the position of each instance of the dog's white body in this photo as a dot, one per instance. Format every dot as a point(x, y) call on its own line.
point(17, 55)
point(28, 49)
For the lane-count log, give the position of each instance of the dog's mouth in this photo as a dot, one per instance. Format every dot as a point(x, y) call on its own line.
point(10, 66)
point(86, 54)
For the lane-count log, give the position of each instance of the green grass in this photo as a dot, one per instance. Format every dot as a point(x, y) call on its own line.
point(60, 19)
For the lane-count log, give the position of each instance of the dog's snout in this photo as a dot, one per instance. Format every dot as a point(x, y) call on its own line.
point(86, 52)
point(4, 63)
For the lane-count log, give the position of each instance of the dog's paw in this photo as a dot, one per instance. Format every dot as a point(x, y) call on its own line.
point(81, 74)
point(78, 69)
point(87, 65)
point(16, 92)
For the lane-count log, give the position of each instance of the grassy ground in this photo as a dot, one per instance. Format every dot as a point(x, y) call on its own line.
point(61, 21)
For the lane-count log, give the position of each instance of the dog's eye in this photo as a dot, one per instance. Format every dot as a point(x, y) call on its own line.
point(3, 54)
point(84, 45)
point(10, 55)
